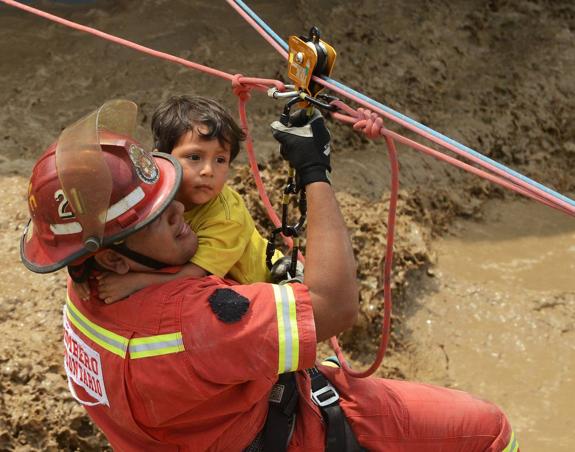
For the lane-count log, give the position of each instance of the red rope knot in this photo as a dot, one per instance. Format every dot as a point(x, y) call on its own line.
point(239, 89)
point(369, 123)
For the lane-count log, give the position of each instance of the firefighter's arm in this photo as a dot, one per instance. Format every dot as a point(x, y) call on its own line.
point(330, 267)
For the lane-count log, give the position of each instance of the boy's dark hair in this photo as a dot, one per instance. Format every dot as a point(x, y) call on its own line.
point(180, 114)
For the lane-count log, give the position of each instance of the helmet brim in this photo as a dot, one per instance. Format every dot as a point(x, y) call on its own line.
point(40, 257)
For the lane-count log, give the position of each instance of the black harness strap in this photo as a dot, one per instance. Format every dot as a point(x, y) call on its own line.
point(280, 422)
point(138, 257)
point(339, 436)
point(281, 415)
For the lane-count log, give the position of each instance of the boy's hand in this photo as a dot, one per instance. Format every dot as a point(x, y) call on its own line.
point(113, 287)
point(82, 290)
point(305, 144)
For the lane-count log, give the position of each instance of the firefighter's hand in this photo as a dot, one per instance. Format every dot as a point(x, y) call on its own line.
point(305, 144)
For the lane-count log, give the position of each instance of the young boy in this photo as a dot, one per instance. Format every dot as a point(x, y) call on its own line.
point(205, 139)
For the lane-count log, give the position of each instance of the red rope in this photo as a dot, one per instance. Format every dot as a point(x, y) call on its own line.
point(353, 118)
point(363, 120)
point(517, 184)
point(117, 40)
point(243, 93)
point(371, 125)
point(241, 86)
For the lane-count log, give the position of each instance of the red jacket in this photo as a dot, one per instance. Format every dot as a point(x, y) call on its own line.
point(189, 365)
point(177, 368)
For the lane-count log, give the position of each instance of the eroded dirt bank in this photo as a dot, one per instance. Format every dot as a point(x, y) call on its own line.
point(497, 76)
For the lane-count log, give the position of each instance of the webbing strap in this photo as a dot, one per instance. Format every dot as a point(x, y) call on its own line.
point(339, 435)
point(281, 414)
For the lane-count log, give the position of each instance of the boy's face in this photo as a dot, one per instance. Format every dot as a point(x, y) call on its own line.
point(206, 166)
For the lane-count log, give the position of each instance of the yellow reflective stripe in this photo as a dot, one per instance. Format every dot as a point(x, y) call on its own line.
point(105, 338)
point(513, 445)
point(142, 347)
point(281, 332)
point(288, 335)
point(155, 339)
point(163, 344)
point(293, 326)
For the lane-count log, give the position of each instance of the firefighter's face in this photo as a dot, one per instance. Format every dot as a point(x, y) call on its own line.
point(168, 238)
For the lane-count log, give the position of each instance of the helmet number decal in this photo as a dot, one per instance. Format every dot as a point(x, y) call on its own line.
point(31, 199)
point(63, 206)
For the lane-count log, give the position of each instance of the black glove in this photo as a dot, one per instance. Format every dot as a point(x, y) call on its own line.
point(305, 144)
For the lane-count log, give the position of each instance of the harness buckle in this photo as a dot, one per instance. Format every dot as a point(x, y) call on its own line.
point(324, 396)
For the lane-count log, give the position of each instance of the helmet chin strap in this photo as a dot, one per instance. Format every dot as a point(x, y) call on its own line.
point(150, 262)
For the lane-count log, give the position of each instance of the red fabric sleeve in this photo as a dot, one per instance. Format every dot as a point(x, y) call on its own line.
point(270, 330)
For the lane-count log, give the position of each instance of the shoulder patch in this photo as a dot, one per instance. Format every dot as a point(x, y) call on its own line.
point(228, 305)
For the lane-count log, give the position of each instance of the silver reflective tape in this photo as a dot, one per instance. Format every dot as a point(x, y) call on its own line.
point(125, 204)
point(97, 334)
point(113, 212)
point(287, 328)
point(66, 228)
point(135, 348)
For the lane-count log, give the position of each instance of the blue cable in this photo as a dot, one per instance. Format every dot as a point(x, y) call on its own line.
point(262, 24)
point(407, 119)
point(458, 145)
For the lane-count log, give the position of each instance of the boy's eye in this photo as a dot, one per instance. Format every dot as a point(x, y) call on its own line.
point(194, 157)
point(221, 160)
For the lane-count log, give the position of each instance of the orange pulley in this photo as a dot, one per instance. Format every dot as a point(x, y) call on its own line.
point(308, 57)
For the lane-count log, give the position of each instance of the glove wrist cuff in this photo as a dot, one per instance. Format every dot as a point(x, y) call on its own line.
point(312, 174)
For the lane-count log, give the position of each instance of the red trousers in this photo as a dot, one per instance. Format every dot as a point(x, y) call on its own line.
point(399, 416)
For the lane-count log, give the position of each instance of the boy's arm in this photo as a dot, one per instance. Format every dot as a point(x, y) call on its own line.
point(113, 287)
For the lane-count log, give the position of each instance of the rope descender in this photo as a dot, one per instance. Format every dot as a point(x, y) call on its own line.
point(308, 57)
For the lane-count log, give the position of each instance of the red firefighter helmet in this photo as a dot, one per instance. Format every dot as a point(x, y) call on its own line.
point(92, 188)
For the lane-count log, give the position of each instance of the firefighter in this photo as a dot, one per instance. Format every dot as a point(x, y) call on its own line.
point(193, 364)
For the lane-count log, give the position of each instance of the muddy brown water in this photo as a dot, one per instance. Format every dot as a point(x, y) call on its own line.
point(498, 319)
point(497, 76)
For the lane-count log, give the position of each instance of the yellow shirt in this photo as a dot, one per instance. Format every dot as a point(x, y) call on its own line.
point(228, 241)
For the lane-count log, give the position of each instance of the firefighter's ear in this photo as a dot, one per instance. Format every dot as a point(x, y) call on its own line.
point(113, 261)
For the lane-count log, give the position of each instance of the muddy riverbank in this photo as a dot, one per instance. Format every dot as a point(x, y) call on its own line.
point(485, 306)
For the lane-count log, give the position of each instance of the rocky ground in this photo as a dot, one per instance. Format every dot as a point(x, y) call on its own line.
point(495, 75)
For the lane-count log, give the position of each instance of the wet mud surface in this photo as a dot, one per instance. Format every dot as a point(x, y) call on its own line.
point(484, 298)
point(498, 318)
